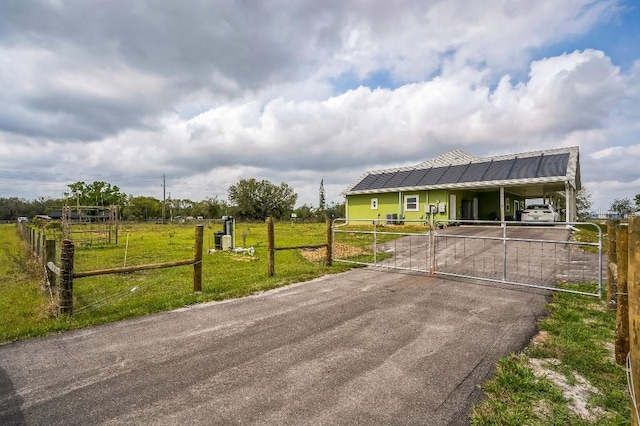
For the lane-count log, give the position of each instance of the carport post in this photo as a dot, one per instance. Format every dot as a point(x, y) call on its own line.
point(502, 204)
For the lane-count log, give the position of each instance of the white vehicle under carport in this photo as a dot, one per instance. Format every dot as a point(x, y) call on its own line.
point(539, 213)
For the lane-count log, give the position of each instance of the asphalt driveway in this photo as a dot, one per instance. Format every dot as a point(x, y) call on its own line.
point(361, 347)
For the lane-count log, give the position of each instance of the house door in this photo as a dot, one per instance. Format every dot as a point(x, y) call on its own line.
point(453, 207)
point(467, 210)
point(475, 209)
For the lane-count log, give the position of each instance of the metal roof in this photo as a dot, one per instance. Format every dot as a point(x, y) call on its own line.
point(461, 170)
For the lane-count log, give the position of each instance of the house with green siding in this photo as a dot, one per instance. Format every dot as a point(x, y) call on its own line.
point(458, 186)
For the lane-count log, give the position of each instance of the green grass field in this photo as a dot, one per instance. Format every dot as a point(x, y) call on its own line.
point(26, 304)
point(580, 383)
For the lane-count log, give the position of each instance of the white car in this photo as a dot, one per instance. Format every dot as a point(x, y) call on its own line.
point(539, 213)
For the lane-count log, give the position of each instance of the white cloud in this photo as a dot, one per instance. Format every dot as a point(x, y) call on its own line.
point(212, 92)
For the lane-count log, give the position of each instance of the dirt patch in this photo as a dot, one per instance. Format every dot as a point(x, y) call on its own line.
point(577, 394)
point(540, 338)
point(340, 251)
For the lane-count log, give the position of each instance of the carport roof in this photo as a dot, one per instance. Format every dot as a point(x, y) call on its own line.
point(460, 170)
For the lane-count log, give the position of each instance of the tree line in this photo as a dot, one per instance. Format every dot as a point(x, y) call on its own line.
point(248, 199)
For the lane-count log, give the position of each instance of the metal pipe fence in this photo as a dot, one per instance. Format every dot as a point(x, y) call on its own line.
point(396, 245)
point(517, 253)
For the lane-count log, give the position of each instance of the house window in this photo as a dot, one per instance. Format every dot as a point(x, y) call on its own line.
point(374, 204)
point(411, 203)
point(508, 205)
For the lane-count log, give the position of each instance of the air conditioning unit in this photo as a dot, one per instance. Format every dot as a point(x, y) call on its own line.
point(392, 218)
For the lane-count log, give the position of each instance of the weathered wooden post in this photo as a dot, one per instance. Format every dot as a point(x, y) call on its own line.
point(633, 287)
point(43, 242)
point(611, 263)
point(622, 308)
point(270, 248)
point(329, 258)
point(197, 259)
point(50, 256)
point(66, 278)
point(36, 244)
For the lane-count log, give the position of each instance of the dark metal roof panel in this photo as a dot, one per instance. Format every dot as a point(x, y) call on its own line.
point(397, 180)
point(415, 177)
point(365, 182)
point(433, 176)
point(525, 168)
point(474, 172)
point(499, 170)
point(553, 165)
point(512, 169)
point(381, 180)
point(453, 174)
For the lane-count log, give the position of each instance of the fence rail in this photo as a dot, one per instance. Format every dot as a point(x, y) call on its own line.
point(508, 253)
point(271, 247)
point(60, 278)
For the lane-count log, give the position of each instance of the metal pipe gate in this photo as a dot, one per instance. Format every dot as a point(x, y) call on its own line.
point(514, 253)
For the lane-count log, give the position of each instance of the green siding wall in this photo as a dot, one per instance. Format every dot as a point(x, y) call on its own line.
point(359, 206)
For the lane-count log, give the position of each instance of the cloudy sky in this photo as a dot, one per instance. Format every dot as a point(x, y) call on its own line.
point(210, 92)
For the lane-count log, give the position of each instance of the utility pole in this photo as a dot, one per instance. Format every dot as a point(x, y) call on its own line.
point(164, 197)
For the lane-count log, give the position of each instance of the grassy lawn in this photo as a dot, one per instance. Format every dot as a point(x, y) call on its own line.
point(27, 310)
point(566, 376)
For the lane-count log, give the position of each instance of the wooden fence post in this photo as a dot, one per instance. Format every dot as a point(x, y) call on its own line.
point(270, 248)
point(43, 243)
point(66, 278)
point(622, 312)
point(633, 287)
point(50, 256)
point(329, 259)
point(36, 250)
point(612, 260)
point(197, 259)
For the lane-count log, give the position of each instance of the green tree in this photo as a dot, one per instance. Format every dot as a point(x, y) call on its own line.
point(637, 200)
point(305, 213)
point(623, 207)
point(583, 203)
point(142, 208)
point(11, 208)
point(213, 208)
point(322, 202)
point(256, 200)
point(335, 210)
point(97, 193)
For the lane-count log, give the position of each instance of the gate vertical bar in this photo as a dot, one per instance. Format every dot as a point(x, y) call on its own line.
point(197, 259)
point(612, 259)
point(600, 261)
point(329, 241)
point(504, 251)
point(375, 242)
